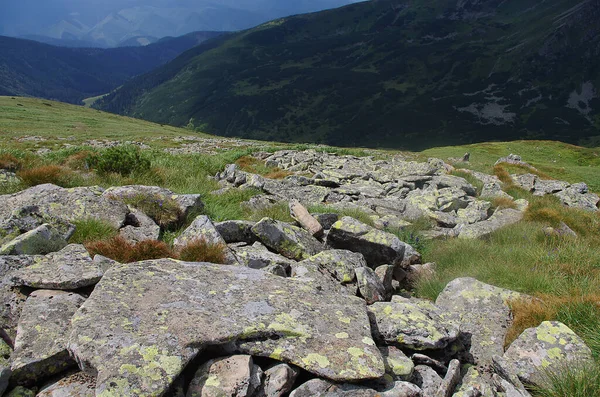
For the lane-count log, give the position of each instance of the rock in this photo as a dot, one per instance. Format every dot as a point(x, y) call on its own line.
point(20, 391)
point(236, 231)
point(339, 263)
point(326, 220)
point(196, 305)
point(563, 230)
point(385, 273)
point(235, 376)
point(543, 187)
point(397, 364)
point(287, 240)
point(369, 285)
point(506, 380)
point(378, 247)
point(27, 218)
point(572, 197)
point(320, 280)
point(403, 389)
point(8, 178)
point(410, 325)
point(474, 384)
point(279, 380)
point(493, 190)
point(202, 228)
point(476, 211)
point(39, 241)
point(483, 313)
point(258, 257)
point(428, 380)
point(498, 220)
point(189, 204)
point(445, 181)
point(450, 381)
point(12, 298)
point(74, 384)
point(70, 268)
point(525, 181)
point(549, 347)
point(41, 342)
point(139, 227)
point(67, 204)
point(508, 389)
point(390, 222)
point(5, 371)
point(422, 359)
point(312, 388)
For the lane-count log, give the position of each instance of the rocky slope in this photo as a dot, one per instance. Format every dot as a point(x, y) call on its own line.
point(390, 73)
point(291, 312)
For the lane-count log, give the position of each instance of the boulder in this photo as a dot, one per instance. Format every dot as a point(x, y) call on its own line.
point(41, 342)
point(397, 364)
point(448, 384)
point(444, 181)
point(339, 263)
point(279, 380)
point(474, 384)
point(236, 231)
point(543, 187)
point(320, 280)
point(385, 273)
point(202, 228)
point(234, 376)
point(483, 313)
point(370, 286)
point(411, 324)
point(27, 218)
point(493, 190)
point(39, 241)
point(572, 197)
point(67, 204)
point(378, 247)
point(312, 388)
point(196, 305)
point(73, 384)
point(5, 371)
point(525, 181)
point(20, 391)
point(287, 240)
point(327, 220)
point(428, 380)
point(548, 348)
point(12, 298)
point(258, 257)
point(498, 220)
point(476, 211)
point(139, 227)
point(70, 268)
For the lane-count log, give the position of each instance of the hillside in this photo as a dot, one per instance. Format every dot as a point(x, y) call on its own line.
point(390, 73)
point(29, 68)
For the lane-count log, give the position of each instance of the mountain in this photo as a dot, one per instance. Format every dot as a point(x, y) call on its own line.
point(30, 68)
point(111, 22)
point(390, 73)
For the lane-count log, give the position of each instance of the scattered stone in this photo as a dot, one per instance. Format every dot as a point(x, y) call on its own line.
point(370, 286)
point(474, 384)
point(258, 257)
point(428, 380)
point(68, 269)
point(75, 384)
point(498, 220)
point(235, 376)
point(287, 240)
point(320, 280)
point(563, 230)
point(306, 220)
point(385, 273)
point(41, 342)
point(543, 187)
point(410, 325)
point(341, 264)
point(525, 181)
point(20, 391)
point(326, 220)
point(450, 380)
point(397, 364)
point(549, 347)
point(422, 359)
point(573, 197)
point(378, 247)
point(5, 371)
point(12, 298)
point(279, 380)
point(27, 218)
point(483, 313)
point(236, 231)
point(494, 190)
point(197, 305)
point(139, 227)
point(39, 241)
point(312, 388)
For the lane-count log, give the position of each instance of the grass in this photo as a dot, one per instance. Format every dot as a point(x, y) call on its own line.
point(256, 166)
point(199, 250)
point(123, 251)
point(54, 174)
point(279, 211)
point(579, 380)
point(91, 229)
point(165, 211)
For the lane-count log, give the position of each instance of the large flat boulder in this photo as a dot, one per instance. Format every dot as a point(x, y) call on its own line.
point(288, 240)
point(12, 298)
point(39, 241)
point(74, 384)
point(197, 305)
point(378, 247)
point(341, 264)
point(235, 376)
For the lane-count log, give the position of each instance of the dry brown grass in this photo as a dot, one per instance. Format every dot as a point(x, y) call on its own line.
point(121, 250)
point(278, 174)
point(79, 161)
point(256, 166)
point(46, 174)
point(10, 162)
point(503, 202)
point(503, 175)
point(199, 250)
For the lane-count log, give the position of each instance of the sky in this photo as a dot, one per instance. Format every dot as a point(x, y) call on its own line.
point(75, 19)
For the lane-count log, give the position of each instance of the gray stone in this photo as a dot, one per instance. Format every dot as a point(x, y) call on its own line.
point(339, 263)
point(279, 380)
point(525, 181)
point(67, 204)
point(543, 187)
point(494, 190)
point(12, 298)
point(68, 269)
point(370, 286)
point(258, 257)
point(474, 384)
point(5, 371)
point(443, 181)
point(390, 222)
point(397, 364)
point(140, 227)
point(8, 178)
point(450, 381)
point(428, 380)
point(422, 359)
point(378, 247)
point(236, 231)
point(572, 197)
point(20, 391)
point(39, 241)
point(235, 376)
point(500, 218)
point(287, 240)
point(74, 384)
point(476, 211)
point(41, 342)
point(326, 220)
point(410, 324)
point(202, 228)
point(196, 305)
point(25, 219)
point(312, 388)
point(549, 347)
point(319, 279)
point(385, 273)
point(483, 313)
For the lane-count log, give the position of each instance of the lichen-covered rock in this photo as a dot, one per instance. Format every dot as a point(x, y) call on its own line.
point(326, 220)
point(278, 380)
point(525, 181)
point(312, 388)
point(8, 177)
point(202, 228)
point(236, 231)
point(428, 380)
point(378, 247)
point(476, 211)
point(27, 218)
point(397, 364)
point(287, 240)
point(543, 187)
point(385, 273)
point(499, 219)
point(474, 384)
point(12, 298)
point(5, 371)
point(370, 286)
point(410, 324)
point(339, 263)
point(74, 384)
point(196, 305)
point(39, 241)
point(320, 279)
point(573, 197)
point(483, 313)
point(67, 204)
point(139, 227)
point(41, 342)
point(494, 190)
point(445, 181)
point(68, 269)
point(234, 376)
point(450, 381)
point(258, 257)
point(20, 391)
point(549, 347)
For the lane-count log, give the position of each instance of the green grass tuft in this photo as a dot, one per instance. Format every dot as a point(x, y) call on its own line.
point(91, 229)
